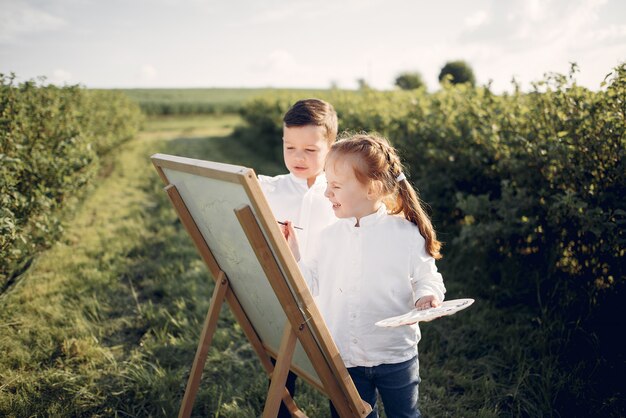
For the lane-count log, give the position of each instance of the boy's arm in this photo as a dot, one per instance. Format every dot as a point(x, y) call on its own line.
point(292, 240)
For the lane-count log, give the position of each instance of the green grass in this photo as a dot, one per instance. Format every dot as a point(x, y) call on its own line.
point(201, 100)
point(208, 95)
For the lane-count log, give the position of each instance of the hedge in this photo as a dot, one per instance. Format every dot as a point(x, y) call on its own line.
point(527, 189)
point(52, 140)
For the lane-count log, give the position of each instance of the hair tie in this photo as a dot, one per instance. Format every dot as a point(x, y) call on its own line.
point(400, 177)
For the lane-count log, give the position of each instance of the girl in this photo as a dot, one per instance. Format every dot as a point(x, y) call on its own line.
point(371, 265)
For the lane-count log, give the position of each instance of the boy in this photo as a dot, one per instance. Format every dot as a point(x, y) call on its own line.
point(309, 129)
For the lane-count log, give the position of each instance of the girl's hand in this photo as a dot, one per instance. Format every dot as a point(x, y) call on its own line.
point(292, 240)
point(426, 302)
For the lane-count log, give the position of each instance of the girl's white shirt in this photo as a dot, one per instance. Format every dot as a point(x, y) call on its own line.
point(361, 275)
point(291, 199)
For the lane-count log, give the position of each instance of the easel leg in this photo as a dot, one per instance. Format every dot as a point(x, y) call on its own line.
point(279, 375)
point(248, 330)
point(210, 324)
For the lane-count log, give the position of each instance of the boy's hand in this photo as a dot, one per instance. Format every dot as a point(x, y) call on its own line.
point(426, 302)
point(292, 240)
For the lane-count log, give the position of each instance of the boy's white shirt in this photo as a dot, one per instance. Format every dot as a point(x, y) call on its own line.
point(291, 199)
point(364, 274)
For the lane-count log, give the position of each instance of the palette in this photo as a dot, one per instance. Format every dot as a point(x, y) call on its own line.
point(447, 307)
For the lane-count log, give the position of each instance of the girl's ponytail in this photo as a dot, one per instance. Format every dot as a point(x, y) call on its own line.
point(411, 206)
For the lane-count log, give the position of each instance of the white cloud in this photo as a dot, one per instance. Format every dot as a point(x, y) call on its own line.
point(535, 10)
point(476, 19)
point(60, 77)
point(280, 68)
point(527, 24)
point(278, 61)
point(18, 19)
point(607, 34)
point(527, 38)
point(147, 73)
point(272, 16)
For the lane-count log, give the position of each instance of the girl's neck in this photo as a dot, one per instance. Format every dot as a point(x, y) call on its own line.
point(358, 218)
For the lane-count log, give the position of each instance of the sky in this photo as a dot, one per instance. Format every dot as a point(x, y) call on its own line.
point(306, 43)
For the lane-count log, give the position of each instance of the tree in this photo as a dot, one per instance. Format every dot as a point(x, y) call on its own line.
point(363, 84)
point(409, 80)
point(460, 72)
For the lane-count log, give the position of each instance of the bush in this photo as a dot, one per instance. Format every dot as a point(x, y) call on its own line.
point(409, 81)
point(51, 139)
point(528, 192)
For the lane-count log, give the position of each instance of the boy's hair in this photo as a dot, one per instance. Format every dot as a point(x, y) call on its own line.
point(377, 163)
point(314, 112)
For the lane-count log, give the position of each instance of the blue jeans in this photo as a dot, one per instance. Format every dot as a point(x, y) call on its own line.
point(397, 384)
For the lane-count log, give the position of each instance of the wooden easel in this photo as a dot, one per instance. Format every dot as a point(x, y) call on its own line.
point(303, 324)
point(223, 292)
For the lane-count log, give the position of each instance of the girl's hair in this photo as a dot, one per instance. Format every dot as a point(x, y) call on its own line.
point(377, 163)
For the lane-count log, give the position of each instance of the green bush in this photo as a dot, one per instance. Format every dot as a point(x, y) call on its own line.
point(409, 81)
point(527, 191)
point(51, 139)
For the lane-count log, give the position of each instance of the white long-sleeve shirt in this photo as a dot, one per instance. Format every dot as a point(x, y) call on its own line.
point(364, 274)
point(291, 199)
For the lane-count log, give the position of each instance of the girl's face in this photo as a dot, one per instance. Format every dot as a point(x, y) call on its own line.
point(350, 198)
point(304, 151)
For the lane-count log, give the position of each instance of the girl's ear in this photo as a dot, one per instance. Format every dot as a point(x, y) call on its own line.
point(374, 191)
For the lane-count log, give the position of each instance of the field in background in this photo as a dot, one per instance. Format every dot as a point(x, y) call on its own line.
point(201, 100)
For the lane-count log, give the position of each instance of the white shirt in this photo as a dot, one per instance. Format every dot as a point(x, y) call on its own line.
point(364, 274)
point(291, 199)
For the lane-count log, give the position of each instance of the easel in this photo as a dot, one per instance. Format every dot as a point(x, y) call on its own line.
point(303, 324)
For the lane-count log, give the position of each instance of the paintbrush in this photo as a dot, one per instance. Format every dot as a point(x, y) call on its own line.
point(295, 227)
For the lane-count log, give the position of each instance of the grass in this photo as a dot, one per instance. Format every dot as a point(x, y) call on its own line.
point(209, 95)
point(106, 322)
point(202, 100)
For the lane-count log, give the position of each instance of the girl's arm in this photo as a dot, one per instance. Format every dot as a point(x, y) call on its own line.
point(427, 283)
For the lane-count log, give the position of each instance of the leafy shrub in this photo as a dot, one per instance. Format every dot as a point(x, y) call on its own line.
point(528, 192)
point(51, 139)
point(409, 81)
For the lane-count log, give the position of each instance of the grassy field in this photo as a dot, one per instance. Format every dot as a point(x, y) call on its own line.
point(201, 100)
point(106, 322)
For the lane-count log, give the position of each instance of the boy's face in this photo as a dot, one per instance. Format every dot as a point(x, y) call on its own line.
point(304, 150)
